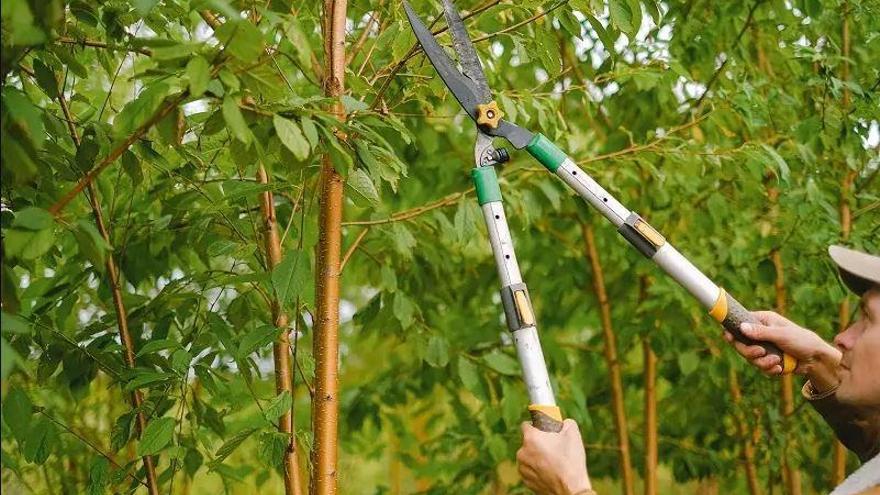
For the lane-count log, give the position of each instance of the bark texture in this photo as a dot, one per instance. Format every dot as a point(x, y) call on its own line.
point(281, 346)
point(325, 406)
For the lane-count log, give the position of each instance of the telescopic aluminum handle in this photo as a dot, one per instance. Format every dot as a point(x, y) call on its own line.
point(722, 306)
point(518, 311)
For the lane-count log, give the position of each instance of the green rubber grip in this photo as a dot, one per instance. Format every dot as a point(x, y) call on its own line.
point(546, 152)
point(486, 184)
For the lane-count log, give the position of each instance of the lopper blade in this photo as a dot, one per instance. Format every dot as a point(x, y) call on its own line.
point(467, 55)
point(464, 89)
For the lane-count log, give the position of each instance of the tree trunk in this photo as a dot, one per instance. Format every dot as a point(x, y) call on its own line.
point(611, 360)
point(281, 347)
point(650, 417)
point(742, 427)
point(325, 407)
point(790, 475)
point(118, 302)
point(838, 467)
point(650, 363)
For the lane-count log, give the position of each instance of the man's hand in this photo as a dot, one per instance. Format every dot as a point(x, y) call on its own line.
point(816, 358)
point(553, 463)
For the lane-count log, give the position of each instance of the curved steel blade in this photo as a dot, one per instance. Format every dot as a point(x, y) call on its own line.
point(467, 55)
point(463, 88)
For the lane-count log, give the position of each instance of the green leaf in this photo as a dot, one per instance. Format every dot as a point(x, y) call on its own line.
point(291, 277)
point(121, 431)
point(403, 310)
point(688, 362)
point(257, 339)
point(622, 17)
point(242, 39)
point(782, 167)
point(46, 78)
point(310, 131)
point(91, 243)
point(198, 71)
point(138, 111)
point(39, 441)
point(437, 353)
point(26, 244)
point(17, 412)
point(469, 376)
point(99, 476)
point(363, 185)
point(143, 7)
point(11, 323)
point(25, 115)
point(279, 405)
point(352, 104)
point(273, 445)
point(156, 436)
point(235, 120)
point(155, 346)
point(291, 136)
point(143, 379)
point(502, 363)
point(34, 219)
point(233, 443)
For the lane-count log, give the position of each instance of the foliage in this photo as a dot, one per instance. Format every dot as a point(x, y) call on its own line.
point(430, 392)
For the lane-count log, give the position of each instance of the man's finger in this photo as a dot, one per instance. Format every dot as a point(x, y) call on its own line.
point(767, 363)
point(756, 331)
point(728, 337)
point(767, 317)
point(749, 352)
point(774, 371)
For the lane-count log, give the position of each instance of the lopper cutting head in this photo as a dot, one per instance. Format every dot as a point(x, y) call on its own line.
point(468, 85)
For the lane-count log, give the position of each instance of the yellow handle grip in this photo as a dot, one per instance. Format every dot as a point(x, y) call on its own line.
point(731, 314)
point(546, 418)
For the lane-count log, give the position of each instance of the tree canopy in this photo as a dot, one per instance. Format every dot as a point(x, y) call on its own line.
point(149, 149)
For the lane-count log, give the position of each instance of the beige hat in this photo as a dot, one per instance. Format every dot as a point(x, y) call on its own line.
point(858, 270)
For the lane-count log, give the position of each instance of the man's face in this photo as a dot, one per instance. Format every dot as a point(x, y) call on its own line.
point(860, 344)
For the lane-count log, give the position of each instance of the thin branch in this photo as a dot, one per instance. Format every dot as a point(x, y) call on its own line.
point(721, 67)
point(352, 248)
point(520, 24)
point(170, 105)
point(92, 446)
point(100, 44)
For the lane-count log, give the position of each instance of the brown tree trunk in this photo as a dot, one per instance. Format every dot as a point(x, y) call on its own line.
point(650, 376)
point(118, 303)
point(325, 408)
point(281, 347)
point(650, 417)
point(611, 360)
point(791, 476)
point(746, 436)
point(707, 486)
point(838, 467)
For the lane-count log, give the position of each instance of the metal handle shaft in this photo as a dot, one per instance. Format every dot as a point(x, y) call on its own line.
point(652, 244)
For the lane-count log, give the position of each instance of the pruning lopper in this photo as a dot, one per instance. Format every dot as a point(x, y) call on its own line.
point(470, 88)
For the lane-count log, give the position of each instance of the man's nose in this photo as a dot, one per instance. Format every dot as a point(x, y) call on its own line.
point(845, 339)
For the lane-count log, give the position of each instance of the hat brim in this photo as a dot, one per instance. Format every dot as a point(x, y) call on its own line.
point(859, 271)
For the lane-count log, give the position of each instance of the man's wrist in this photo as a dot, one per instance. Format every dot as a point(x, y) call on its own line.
point(822, 369)
point(579, 487)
